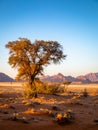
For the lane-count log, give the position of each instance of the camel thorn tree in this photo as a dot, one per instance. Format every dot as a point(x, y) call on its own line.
point(31, 58)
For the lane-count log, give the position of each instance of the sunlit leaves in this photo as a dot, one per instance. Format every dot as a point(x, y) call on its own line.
point(30, 58)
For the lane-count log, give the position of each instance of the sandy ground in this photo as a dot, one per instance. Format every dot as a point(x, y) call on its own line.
point(19, 113)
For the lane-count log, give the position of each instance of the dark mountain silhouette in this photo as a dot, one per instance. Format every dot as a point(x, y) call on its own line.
point(5, 78)
point(88, 78)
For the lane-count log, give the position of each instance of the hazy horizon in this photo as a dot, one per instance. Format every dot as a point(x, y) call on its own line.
point(73, 23)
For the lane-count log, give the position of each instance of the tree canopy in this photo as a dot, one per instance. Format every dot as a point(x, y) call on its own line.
point(31, 58)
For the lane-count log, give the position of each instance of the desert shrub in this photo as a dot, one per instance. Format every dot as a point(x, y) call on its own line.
point(15, 116)
point(52, 89)
point(85, 93)
point(42, 88)
point(61, 89)
point(64, 118)
point(28, 92)
point(45, 88)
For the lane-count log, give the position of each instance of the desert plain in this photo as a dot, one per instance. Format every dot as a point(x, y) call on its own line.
point(20, 113)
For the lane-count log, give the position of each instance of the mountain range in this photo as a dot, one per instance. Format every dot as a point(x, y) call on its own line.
point(5, 78)
point(88, 78)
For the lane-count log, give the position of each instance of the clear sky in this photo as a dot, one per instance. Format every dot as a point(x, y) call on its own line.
point(73, 23)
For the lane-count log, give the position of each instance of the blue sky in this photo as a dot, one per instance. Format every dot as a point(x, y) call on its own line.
point(73, 23)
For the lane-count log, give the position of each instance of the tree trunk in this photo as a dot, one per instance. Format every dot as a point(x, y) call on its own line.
point(33, 88)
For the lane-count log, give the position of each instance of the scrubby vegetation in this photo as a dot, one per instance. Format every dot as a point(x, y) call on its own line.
point(42, 88)
point(64, 118)
point(85, 93)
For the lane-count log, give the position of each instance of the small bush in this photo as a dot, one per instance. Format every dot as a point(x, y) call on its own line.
point(64, 118)
point(41, 88)
point(28, 92)
point(52, 89)
point(85, 93)
point(45, 88)
point(15, 116)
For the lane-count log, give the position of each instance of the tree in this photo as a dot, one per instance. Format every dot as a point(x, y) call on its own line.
point(31, 58)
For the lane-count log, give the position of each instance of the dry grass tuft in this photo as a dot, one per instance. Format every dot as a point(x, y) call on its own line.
point(4, 106)
point(45, 111)
point(41, 111)
point(30, 111)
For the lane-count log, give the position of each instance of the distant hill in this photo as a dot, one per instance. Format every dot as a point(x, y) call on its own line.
point(93, 77)
point(55, 78)
point(5, 78)
point(88, 78)
point(83, 79)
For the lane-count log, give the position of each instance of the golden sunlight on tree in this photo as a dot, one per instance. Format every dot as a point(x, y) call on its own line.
point(31, 58)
